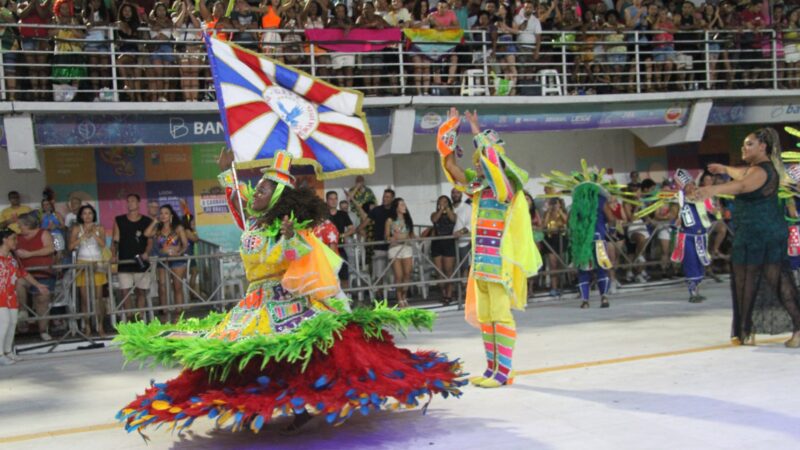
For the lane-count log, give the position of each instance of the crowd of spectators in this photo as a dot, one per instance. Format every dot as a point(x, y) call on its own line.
point(70, 233)
point(159, 54)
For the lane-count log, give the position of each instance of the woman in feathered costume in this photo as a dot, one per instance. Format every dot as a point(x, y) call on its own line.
point(291, 347)
point(504, 254)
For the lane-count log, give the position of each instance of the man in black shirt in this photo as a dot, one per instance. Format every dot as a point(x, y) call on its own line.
point(130, 243)
point(378, 215)
point(345, 228)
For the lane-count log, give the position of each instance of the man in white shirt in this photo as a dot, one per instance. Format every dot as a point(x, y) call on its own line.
point(530, 30)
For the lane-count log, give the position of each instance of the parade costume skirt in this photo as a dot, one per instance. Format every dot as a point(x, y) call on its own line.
point(332, 365)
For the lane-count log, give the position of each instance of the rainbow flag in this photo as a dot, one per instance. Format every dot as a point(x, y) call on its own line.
point(266, 106)
point(435, 44)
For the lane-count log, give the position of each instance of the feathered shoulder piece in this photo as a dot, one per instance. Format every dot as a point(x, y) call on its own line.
point(565, 184)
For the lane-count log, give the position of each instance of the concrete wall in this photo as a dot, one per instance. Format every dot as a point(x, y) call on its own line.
point(29, 183)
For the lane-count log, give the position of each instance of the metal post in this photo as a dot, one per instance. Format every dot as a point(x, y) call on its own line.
point(485, 64)
point(112, 54)
point(636, 62)
point(2, 78)
point(402, 72)
point(313, 60)
point(773, 45)
point(707, 55)
point(564, 61)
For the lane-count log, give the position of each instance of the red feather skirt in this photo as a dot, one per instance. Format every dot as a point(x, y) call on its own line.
point(358, 374)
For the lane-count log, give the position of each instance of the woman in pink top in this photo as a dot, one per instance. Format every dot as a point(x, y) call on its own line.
point(445, 19)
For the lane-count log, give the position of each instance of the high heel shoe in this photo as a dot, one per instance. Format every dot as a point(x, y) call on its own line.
point(793, 342)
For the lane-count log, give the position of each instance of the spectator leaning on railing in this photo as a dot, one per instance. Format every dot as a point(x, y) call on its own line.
point(127, 34)
point(342, 64)
point(529, 37)
point(371, 63)
point(36, 45)
point(69, 63)
point(35, 249)
point(9, 47)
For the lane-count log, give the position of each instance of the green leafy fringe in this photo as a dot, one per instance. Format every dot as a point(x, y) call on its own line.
point(144, 341)
point(582, 220)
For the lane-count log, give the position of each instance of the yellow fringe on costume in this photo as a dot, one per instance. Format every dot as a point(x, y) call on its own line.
point(314, 275)
point(521, 259)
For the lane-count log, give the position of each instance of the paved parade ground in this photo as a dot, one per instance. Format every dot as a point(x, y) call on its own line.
point(651, 372)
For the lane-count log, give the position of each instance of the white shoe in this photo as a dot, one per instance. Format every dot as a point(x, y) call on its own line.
point(641, 279)
point(45, 336)
point(12, 357)
point(5, 361)
point(613, 289)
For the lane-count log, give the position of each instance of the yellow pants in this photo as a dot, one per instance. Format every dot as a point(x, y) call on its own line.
point(494, 304)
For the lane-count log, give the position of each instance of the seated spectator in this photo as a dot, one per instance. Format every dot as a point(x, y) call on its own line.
point(88, 240)
point(162, 53)
point(127, 33)
point(35, 249)
point(244, 20)
point(588, 62)
point(342, 63)
point(9, 217)
point(35, 45)
point(445, 19)
point(191, 51)
point(95, 15)
point(69, 63)
point(400, 228)
point(638, 235)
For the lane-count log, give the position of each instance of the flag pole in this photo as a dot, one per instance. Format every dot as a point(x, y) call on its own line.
point(238, 193)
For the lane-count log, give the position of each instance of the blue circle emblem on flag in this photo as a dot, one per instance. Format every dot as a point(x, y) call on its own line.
point(300, 115)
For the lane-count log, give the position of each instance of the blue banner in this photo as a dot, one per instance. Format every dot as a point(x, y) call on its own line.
point(70, 130)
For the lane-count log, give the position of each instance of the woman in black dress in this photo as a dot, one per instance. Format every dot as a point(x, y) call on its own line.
point(759, 257)
point(443, 251)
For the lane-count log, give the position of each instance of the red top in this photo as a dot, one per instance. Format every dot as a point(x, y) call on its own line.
point(10, 272)
point(33, 244)
point(328, 234)
point(34, 18)
point(617, 210)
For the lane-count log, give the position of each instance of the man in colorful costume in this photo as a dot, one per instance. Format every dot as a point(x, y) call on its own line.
point(503, 251)
point(691, 243)
point(588, 218)
point(291, 347)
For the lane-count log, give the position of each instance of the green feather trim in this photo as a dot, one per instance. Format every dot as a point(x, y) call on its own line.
point(145, 341)
point(582, 221)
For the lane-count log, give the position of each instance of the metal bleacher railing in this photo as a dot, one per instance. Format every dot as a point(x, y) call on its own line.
point(574, 62)
point(215, 280)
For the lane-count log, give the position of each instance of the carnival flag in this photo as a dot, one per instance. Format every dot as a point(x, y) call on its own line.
point(266, 106)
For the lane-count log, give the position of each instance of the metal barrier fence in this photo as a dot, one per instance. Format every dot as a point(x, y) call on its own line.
point(112, 69)
point(221, 282)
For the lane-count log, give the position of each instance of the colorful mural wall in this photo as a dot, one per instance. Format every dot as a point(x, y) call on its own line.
point(166, 174)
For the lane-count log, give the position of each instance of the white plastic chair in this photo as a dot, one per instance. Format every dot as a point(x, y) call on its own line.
point(550, 82)
point(473, 83)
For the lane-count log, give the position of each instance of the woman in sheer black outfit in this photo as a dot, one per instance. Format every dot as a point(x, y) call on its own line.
point(759, 257)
